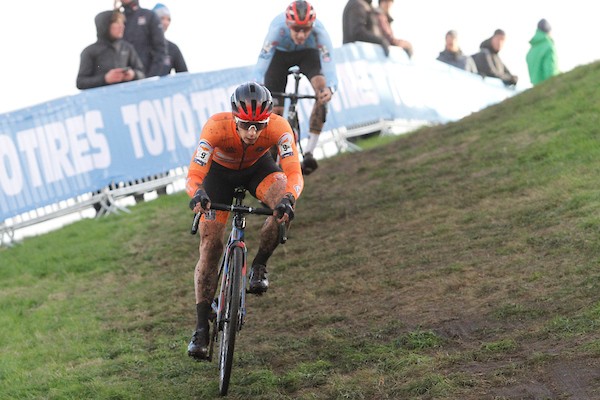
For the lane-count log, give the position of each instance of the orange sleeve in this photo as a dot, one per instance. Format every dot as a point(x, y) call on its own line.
point(202, 158)
point(288, 154)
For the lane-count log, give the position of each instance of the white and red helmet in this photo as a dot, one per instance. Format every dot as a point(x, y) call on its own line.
point(251, 102)
point(300, 12)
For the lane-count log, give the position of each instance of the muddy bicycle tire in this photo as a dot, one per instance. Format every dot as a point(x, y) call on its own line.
point(229, 326)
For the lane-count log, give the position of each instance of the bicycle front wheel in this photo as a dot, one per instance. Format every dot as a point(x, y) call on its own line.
point(295, 124)
point(230, 321)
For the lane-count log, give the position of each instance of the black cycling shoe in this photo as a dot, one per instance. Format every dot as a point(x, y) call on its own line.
point(259, 283)
point(309, 164)
point(198, 347)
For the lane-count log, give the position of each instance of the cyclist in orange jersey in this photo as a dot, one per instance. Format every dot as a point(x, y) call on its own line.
point(233, 151)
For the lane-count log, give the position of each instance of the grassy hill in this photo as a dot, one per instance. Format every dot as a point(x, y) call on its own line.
point(457, 262)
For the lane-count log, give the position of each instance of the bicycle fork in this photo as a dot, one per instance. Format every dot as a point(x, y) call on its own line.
point(218, 304)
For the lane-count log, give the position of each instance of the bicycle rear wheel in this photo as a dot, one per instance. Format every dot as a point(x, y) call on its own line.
point(231, 318)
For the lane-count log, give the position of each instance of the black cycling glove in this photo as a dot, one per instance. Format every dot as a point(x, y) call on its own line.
point(199, 197)
point(286, 206)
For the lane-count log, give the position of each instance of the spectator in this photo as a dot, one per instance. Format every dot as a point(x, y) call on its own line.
point(110, 59)
point(541, 57)
point(361, 24)
point(175, 60)
point(454, 56)
point(143, 29)
point(385, 25)
point(488, 61)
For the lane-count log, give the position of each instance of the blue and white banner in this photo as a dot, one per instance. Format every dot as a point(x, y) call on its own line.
point(78, 144)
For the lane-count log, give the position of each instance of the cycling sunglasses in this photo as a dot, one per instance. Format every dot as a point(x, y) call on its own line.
point(246, 125)
point(298, 29)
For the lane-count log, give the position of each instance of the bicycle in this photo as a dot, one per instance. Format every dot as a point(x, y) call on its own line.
point(229, 308)
point(292, 112)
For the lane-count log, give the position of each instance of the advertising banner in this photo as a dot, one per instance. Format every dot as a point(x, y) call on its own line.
point(118, 133)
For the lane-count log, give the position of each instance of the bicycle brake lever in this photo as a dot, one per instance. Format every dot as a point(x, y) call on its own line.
point(195, 223)
point(282, 233)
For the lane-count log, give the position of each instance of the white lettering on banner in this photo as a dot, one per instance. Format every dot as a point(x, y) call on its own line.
point(58, 149)
point(356, 89)
point(93, 126)
point(165, 119)
point(83, 138)
point(53, 152)
point(209, 102)
point(156, 126)
point(11, 176)
point(394, 84)
point(150, 128)
point(28, 145)
point(184, 121)
point(79, 146)
point(131, 119)
point(48, 170)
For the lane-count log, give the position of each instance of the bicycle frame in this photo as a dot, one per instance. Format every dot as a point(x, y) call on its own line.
point(236, 239)
point(292, 112)
point(229, 308)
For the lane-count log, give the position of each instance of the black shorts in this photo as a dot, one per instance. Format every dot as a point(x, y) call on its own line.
point(308, 60)
point(220, 182)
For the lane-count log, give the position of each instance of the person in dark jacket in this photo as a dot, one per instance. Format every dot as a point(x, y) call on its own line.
point(541, 58)
point(454, 56)
point(488, 61)
point(110, 59)
point(143, 29)
point(176, 62)
point(360, 23)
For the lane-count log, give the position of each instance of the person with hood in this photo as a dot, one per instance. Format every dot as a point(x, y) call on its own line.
point(541, 57)
point(110, 59)
point(176, 62)
point(144, 31)
point(360, 23)
point(454, 56)
point(488, 61)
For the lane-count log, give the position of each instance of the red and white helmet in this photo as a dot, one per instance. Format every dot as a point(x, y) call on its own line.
point(251, 102)
point(300, 12)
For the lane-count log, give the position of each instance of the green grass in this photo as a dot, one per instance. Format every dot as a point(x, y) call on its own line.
point(455, 262)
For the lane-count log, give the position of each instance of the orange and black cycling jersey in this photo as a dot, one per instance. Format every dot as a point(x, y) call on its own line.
point(220, 143)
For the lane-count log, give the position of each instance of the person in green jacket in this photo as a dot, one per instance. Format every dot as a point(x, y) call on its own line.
point(541, 57)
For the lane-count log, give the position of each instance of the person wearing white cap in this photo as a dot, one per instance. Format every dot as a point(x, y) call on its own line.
point(175, 60)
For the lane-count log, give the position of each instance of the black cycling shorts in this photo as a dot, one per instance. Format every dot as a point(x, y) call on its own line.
point(308, 60)
point(220, 182)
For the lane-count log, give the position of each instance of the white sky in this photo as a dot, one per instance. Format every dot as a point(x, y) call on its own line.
point(41, 40)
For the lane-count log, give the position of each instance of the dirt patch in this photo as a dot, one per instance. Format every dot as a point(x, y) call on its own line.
point(571, 379)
